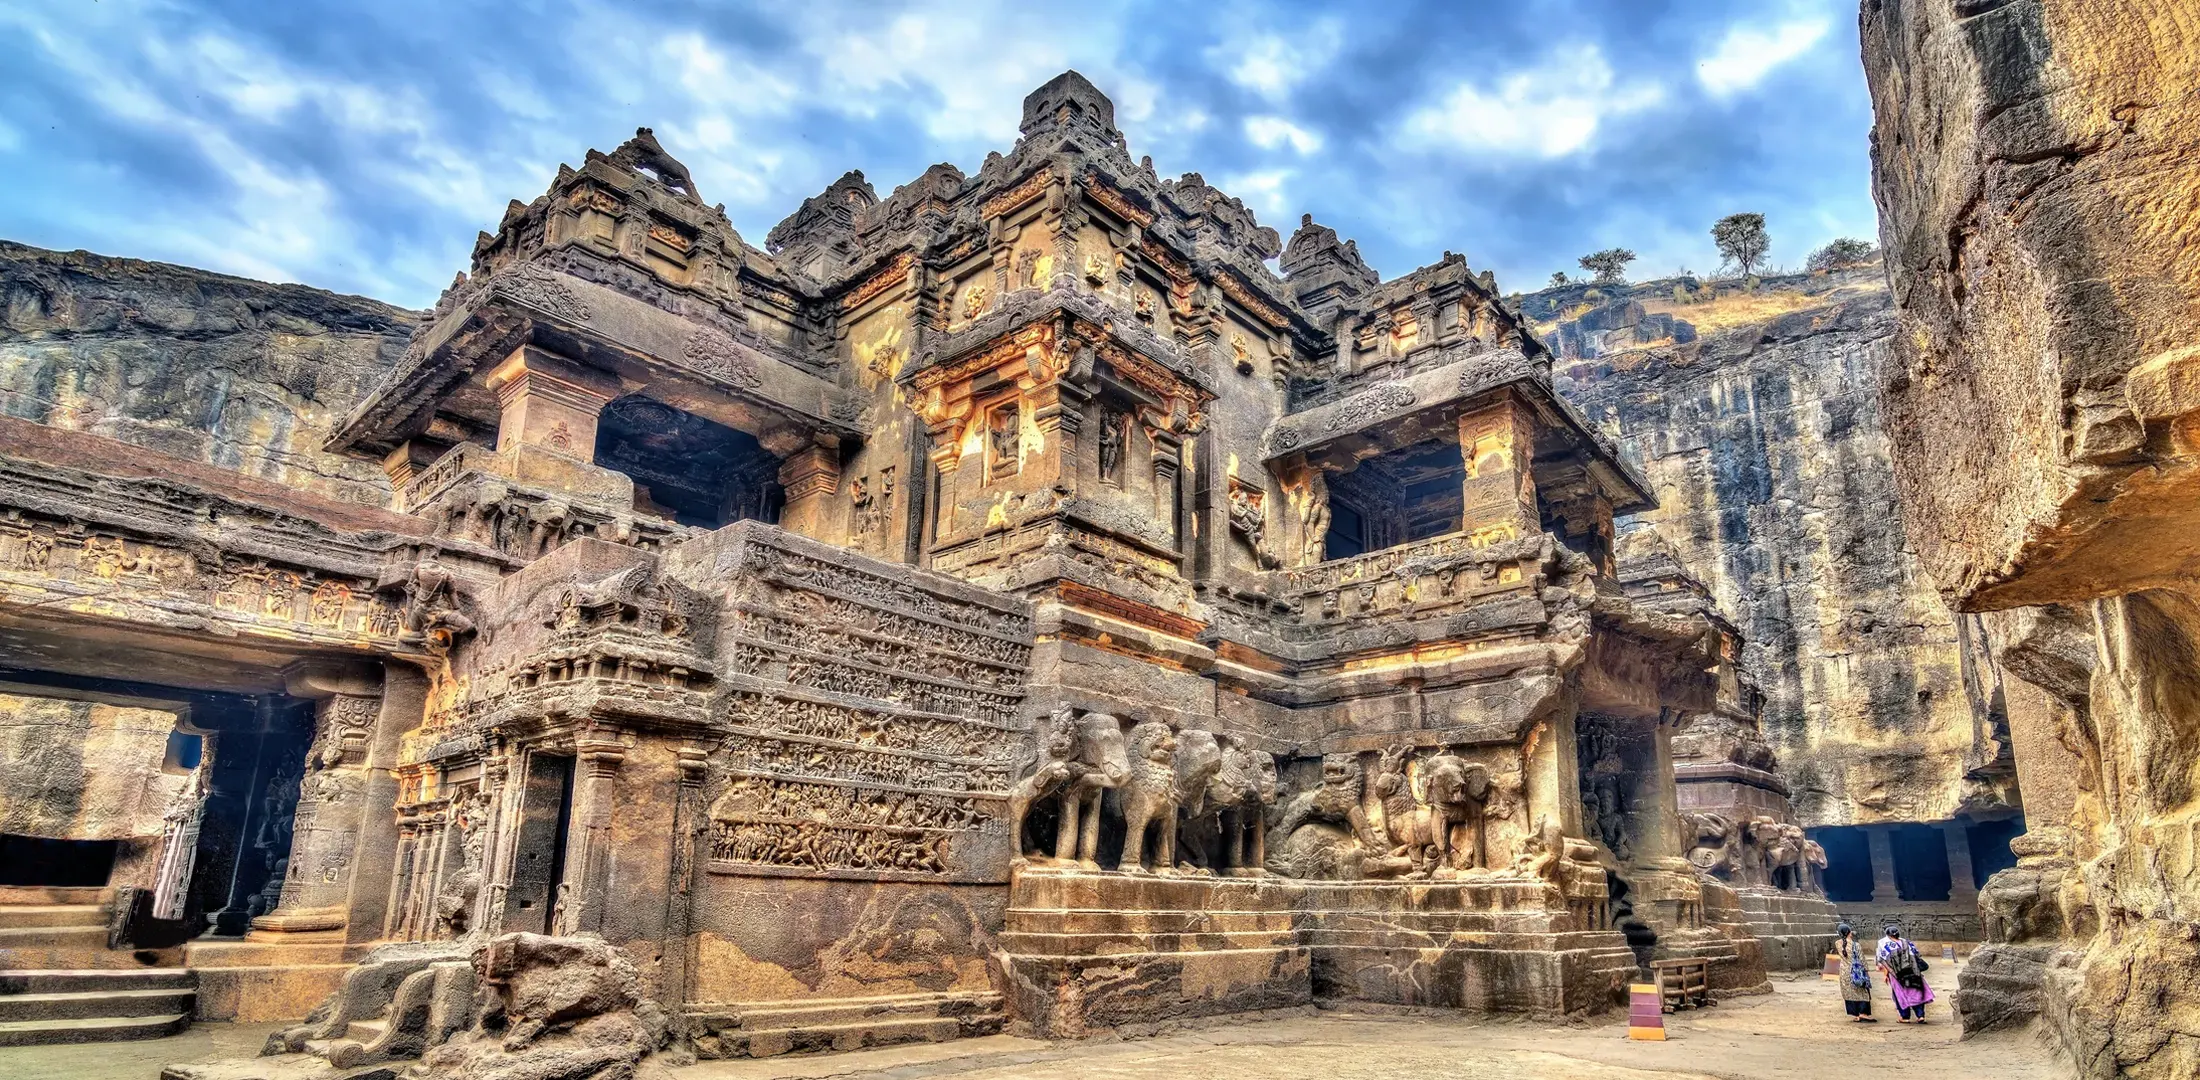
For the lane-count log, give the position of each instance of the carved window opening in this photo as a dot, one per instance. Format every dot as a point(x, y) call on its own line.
point(1347, 531)
point(691, 469)
point(1848, 874)
point(1407, 495)
point(1920, 863)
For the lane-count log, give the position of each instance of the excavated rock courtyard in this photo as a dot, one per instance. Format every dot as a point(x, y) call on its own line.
point(1796, 1032)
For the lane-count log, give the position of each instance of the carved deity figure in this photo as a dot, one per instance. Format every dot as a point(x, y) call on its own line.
point(1111, 446)
point(1603, 794)
point(1005, 436)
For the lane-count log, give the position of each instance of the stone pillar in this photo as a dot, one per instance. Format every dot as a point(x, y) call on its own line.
point(1962, 891)
point(1880, 840)
point(549, 403)
point(1656, 813)
point(375, 855)
point(584, 893)
point(810, 477)
point(1499, 496)
point(680, 898)
point(331, 799)
point(1167, 448)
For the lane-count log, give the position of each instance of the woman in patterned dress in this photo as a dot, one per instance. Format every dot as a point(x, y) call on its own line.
point(1856, 979)
point(1904, 970)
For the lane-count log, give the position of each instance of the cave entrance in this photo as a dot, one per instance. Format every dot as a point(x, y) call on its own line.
point(184, 795)
point(1408, 494)
point(689, 468)
point(1848, 874)
point(1988, 842)
point(1920, 863)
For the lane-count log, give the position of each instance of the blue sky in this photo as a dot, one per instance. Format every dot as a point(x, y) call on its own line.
point(360, 146)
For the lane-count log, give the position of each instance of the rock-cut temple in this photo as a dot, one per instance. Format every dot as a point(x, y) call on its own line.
point(1040, 599)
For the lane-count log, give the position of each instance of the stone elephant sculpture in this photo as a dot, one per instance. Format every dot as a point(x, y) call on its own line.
point(1323, 832)
point(1712, 842)
point(1100, 763)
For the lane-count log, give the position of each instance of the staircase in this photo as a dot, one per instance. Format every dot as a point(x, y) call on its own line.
point(786, 1027)
point(40, 1007)
point(60, 983)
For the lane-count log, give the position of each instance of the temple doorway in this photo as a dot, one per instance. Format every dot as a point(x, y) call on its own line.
point(538, 854)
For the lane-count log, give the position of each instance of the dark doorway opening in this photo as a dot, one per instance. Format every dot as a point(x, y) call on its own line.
point(1397, 498)
point(1920, 863)
point(1848, 873)
point(691, 469)
point(1347, 532)
point(68, 864)
point(538, 864)
point(1989, 843)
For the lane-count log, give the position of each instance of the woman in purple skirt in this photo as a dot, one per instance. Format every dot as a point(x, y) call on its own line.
point(1904, 970)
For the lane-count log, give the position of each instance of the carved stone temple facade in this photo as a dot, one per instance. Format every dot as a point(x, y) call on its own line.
point(1005, 602)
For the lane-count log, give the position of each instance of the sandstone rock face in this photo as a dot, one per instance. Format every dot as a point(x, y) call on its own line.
point(241, 374)
point(2038, 185)
point(2038, 177)
point(73, 770)
point(1764, 443)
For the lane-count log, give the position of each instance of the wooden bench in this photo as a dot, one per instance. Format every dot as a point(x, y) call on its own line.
point(1683, 983)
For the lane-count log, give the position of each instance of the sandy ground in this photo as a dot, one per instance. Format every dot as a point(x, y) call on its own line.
point(1796, 1033)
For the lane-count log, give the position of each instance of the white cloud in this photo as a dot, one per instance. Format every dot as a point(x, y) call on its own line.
point(1272, 64)
point(1270, 132)
point(1748, 53)
point(1263, 191)
point(1550, 110)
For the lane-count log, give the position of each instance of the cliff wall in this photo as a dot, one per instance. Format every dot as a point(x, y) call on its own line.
point(236, 373)
point(1754, 413)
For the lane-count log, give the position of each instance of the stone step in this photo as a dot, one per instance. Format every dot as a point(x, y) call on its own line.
point(76, 949)
point(28, 916)
point(95, 895)
point(100, 1029)
point(846, 1024)
point(85, 1005)
point(890, 1006)
point(365, 1032)
point(78, 981)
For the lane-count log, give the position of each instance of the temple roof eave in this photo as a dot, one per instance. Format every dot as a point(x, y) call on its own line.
point(599, 326)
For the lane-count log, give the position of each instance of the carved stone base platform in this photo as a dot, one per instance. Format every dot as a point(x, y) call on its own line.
point(1737, 961)
point(1084, 952)
point(1796, 929)
point(1087, 952)
point(264, 977)
point(1482, 946)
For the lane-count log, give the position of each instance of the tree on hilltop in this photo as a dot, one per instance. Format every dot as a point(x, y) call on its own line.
point(1742, 240)
point(1559, 280)
point(1846, 251)
point(1609, 265)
